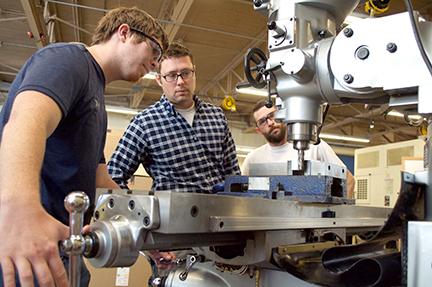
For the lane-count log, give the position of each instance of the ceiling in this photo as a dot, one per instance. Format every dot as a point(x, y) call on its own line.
point(218, 32)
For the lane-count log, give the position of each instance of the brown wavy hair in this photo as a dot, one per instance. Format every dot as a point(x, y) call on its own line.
point(135, 18)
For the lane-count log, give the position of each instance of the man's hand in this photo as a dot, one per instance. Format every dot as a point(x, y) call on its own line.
point(29, 246)
point(163, 260)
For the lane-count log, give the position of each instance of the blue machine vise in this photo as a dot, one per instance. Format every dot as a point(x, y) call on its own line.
point(305, 188)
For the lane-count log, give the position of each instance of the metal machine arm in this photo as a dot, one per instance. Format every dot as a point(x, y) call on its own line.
point(375, 59)
point(309, 64)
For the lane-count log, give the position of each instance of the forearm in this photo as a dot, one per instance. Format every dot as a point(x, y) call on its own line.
point(108, 183)
point(103, 180)
point(118, 177)
point(21, 156)
point(33, 118)
point(350, 185)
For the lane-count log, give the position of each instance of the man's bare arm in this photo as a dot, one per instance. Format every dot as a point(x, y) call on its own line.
point(103, 179)
point(350, 185)
point(29, 245)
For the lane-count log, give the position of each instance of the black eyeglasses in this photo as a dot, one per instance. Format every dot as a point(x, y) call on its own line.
point(173, 77)
point(264, 121)
point(157, 48)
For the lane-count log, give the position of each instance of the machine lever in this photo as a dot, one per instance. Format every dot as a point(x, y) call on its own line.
point(190, 262)
point(76, 203)
point(242, 85)
point(269, 102)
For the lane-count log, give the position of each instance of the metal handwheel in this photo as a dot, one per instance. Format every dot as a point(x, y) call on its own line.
point(254, 66)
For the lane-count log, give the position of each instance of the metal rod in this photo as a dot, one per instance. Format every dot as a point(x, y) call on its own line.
point(76, 22)
point(300, 160)
point(13, 19)
point(210, 30)
point(76, 203)
point(80, 6)
point(9, 67)
point(8, 73)
point(3, 43)
point(70, 24)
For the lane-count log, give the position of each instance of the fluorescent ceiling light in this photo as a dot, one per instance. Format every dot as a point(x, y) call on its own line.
point(400, 115)
point(344, 138)
point(150, 76)
point(121, 110)
point(253, 91)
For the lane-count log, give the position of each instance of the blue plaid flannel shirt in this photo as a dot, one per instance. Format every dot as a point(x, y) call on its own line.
point(177, 156)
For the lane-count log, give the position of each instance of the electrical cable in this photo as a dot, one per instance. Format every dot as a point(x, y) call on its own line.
point(414, 26)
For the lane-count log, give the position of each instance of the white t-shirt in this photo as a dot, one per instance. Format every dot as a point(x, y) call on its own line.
point(188, 114)
point(268, 154)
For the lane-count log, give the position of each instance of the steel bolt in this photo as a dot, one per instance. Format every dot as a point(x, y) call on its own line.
point(258, 3)
point(322, 33)
point(271, 25)
point(391, 47)
point(131, 205)
point(156, 282)
point(111, 203)
point(348, 32)
point(363, 53)
point(146, 221)
point(348, 78)
point(194, 211)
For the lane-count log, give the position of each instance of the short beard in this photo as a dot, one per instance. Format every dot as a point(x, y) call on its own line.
point(276, 138)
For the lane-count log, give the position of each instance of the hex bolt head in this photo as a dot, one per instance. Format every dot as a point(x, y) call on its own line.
point(391, 47)
point(348, 32)
point(258, 3)
point(322, 33)
point(271, 25)
point(131, 205)
point(146, 221)
point(363, 53)
point(348, 78)
point(111, 203)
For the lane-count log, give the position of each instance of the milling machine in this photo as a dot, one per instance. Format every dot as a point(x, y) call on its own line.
point(270, 237)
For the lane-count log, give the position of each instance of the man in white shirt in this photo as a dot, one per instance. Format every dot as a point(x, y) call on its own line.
point(278, 149)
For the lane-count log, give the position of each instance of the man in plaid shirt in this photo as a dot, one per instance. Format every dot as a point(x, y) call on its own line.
point(183, 142)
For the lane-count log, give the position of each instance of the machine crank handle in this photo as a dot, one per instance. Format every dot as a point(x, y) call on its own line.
point(76, 203)
point(190, 262)
point(243, 85)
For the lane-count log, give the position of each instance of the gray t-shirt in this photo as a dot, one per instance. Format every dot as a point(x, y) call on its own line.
point(68, 74)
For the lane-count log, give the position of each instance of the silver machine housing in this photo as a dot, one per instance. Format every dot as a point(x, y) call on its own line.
point(310, 64)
